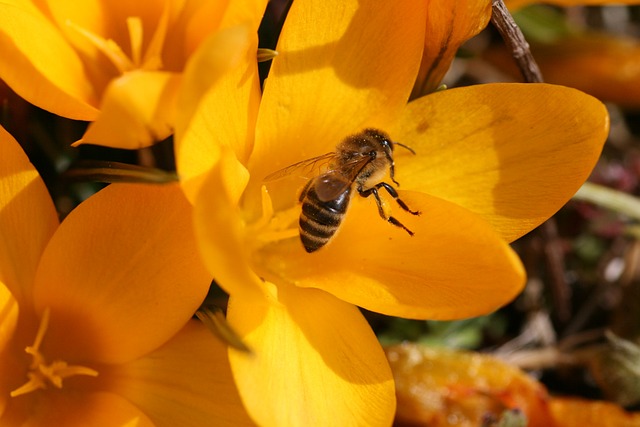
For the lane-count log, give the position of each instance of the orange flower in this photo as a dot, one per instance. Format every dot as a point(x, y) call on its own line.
point(95, 327)
point(117, 64)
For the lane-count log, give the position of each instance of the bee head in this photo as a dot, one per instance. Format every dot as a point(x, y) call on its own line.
point(386, 144)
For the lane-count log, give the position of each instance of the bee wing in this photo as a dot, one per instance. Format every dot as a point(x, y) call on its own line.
point(335, 182)
point(312, 166)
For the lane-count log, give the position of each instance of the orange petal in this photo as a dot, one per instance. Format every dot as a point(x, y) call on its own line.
point(78, 409)
point(137, 111)
point(8, 321)
point(186, 382)
point(221, 232)
point(121, 275)
point(449, 24)
point(218, 104)
point(27, 218)
point(314, 352)
point(341, 66)
point(43, 69)
point(517, 4)
point(609, 66)
point(454, 266)
point(512, 153)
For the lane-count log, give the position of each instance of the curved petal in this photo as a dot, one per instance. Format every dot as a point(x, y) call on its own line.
point(121, 275)
point(198, 19)
point(512, 153)
point(8, 318)
point(78, 409)
point(517, 4)
point(220, 231)
point(454, 266)
point(137, 111)
point(43, 69)
point(218, 105)
point(186, 382)
point(8, 321)
point(314, 352)
point(449, 24)
point(609, 66)
point(341, 66)
point(28, 218)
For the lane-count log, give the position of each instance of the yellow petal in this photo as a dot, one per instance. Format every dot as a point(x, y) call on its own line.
point(512, 153)
point(449, 24)
point(341, 66)
point(244, 12)
point(39, 64)
point(137, 111)
point(97, 409)
point(454, 266)
point(186, 382)
point(218, 104)
point(121, 275)
point(221, 232)
point(197, 21)
point(314, 352)
point(27, 218)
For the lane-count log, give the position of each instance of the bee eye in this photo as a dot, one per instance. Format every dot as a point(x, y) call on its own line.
point(373, 153)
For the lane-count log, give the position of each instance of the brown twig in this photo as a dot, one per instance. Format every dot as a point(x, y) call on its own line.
point(511, 34)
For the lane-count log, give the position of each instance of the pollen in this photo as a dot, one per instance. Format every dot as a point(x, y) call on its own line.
point(41, 373)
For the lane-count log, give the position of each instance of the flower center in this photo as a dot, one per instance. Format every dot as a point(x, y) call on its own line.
point(272, 226)
point(40, 372)
point(152, 59)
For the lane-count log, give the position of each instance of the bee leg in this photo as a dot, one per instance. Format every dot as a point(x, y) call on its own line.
point(393, 193)
point(392, 220)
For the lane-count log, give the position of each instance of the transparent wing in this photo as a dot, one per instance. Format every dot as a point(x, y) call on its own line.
point(307, 168)
point(332, 184)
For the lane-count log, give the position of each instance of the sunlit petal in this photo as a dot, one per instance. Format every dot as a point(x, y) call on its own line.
point(454, 266)
point(314, 352)
point(39, 64)
point(8, 321)
point(449, 24)
point(27, 218)
point(218, 104)
point(355, 68)
point(221, 232)
point(477, 147)
point(139, 281)
point(137, 110)
point(186, 382)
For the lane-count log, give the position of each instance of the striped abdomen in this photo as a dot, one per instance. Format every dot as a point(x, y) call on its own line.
point(320, 220)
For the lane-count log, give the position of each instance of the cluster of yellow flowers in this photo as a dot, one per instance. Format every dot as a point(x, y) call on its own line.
point(97, 320)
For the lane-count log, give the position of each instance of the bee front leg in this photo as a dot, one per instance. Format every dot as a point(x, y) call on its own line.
point(374, 190)
point(393, 193)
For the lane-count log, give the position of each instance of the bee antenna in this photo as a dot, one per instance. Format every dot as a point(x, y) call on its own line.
point(406, 147)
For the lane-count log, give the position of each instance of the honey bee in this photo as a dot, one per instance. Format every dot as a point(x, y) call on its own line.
point(360, 161)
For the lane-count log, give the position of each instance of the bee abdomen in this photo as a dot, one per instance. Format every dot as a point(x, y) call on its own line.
point(319, 221)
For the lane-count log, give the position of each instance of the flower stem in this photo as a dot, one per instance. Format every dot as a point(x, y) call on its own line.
point(511, 34)
point(611, 199)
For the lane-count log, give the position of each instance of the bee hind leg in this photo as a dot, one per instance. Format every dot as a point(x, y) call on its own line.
point(374, 190)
